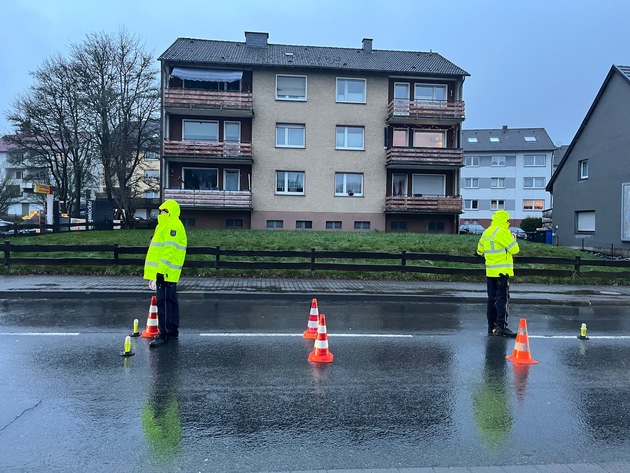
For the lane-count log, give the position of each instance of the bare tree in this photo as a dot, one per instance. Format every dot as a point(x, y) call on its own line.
point(120, 83)
point(9, 192)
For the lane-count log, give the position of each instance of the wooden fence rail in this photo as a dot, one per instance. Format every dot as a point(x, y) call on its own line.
point(310, 260)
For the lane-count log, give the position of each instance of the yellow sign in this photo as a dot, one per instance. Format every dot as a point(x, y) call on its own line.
point(43, 189)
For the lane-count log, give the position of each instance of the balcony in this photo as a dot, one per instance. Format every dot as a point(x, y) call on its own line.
point(422, 204)
point(189, 198)
point(214, 150)
point(206, 102)
point(423, 112)
point(421, 157)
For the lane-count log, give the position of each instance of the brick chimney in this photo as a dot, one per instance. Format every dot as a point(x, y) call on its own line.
point(505, 127)
point(256, 40)
point(367, 45)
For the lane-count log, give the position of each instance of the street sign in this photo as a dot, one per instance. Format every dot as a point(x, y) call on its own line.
point(44, 189)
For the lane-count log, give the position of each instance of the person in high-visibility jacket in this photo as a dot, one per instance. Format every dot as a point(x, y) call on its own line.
point(163, 264)
point(497, 245)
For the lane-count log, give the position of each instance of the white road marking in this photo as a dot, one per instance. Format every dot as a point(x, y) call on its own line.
point(42, 334)
point(605, 337)
point(362, 335)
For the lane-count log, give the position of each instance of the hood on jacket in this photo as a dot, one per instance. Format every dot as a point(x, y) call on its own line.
point(501, 218)
point(172, 207)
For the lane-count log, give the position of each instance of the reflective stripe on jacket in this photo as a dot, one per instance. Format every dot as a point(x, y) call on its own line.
point(497, 245)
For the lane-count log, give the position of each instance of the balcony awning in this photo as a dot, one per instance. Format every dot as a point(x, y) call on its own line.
point(206, 75)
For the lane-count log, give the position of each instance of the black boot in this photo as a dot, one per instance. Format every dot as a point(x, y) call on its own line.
point(505, 332)
point(158, 341)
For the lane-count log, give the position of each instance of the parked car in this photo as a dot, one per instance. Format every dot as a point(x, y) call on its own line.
point(4, 225)
point(471, 229)
point(519, 232)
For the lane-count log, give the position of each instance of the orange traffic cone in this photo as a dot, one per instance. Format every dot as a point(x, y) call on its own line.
point(152, 320)
point(311, 329)
point(521, 353)
point(320, 352)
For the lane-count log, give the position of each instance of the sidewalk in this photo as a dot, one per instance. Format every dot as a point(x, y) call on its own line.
point(106, 286)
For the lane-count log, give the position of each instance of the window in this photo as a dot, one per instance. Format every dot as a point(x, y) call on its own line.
point(306, 224)
point(151, 195)
point(497, 183)
point(234, 223)
point(494, 139)
point(497, 205)
point(19, 174)
point(200, 179)
point(290, 136)
point(497, 161)
point(290, 87)
point(401, 98)
point(350, 137)
point(151, 156)
point(471, 183)
point(470, 204)
point(428, 139)
point(431, 185)
point(351, 90)
point(583, 169)
point(436, 226)
point(534, 160)
point(333, 224)
point(473, 139)
point(290, 182)
point(401, 137)
point(401, 226)
point(399, 184)
point(361, 225)
point(153, 174)
point(530, 139)
point(430, 93)
point(533, 182)
point(232, 132)
point(188, 222)
point(231, 180)
point(275, 223)
point(471, 160)
point(200, 131)
point(348, 184)
point(585, 222)
point(533, 204)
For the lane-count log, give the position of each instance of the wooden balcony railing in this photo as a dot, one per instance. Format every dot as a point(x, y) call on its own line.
point(422, 204)
point(419, 109)
point(425, 156)
point(208, 149)
point(210, 198)
point(206, 99)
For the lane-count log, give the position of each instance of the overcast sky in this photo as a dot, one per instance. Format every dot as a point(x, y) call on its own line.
point(533, 63)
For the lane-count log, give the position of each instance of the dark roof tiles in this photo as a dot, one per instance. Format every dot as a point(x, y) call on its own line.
point(509, 139)
point(227, 53)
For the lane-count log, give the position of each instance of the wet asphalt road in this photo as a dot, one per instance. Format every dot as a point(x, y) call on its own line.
point(411, 385)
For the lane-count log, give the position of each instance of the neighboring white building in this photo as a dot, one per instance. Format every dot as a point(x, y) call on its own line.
point(21, 177)
point(505, 169)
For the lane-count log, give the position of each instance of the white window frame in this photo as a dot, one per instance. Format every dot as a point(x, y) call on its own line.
point(583, 169)
point(345, 129)
point(238, 179)
point(153, 174)
point(406, 131)
point(534, 183)
point(342, 86)
point(585, 221)
point(473, 139)
point(401, 104)
point(531, 204)
point(196, 138)
point(498, 161)
point(151, 194)
point(431, 86)
point(472, 161)
point(292, 98)
point(433, 178)
point(341, 178)
point(285, 181)
point(184, 169)
point(420, 132)
point(497, 182)
point(285, 127)
point(494, 139)
point(225, 127)
point(400, 178)
point(531, 160)
point(471, 183)
point(530, 139)
point(471, 204)
point(497, 204)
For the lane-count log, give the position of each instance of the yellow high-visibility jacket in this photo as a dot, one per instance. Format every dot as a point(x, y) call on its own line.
point(497, 245)
point(167, 251)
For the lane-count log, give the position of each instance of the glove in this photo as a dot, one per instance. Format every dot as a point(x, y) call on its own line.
point(478, 255)
point(159, 277)
point(152, 285)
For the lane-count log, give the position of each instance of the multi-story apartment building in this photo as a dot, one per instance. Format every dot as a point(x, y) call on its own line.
point(259, 135)
point(506, 169)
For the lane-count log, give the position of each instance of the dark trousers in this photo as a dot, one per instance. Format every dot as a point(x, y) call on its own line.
point(168, 309)
point(498, 299)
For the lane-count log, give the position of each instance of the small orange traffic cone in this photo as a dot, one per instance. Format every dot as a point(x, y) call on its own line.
point(311, 329)
point(152, 320)
point(320, 352)
point(521, 353)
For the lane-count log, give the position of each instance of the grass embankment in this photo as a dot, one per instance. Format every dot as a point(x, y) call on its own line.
point(460, 245)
